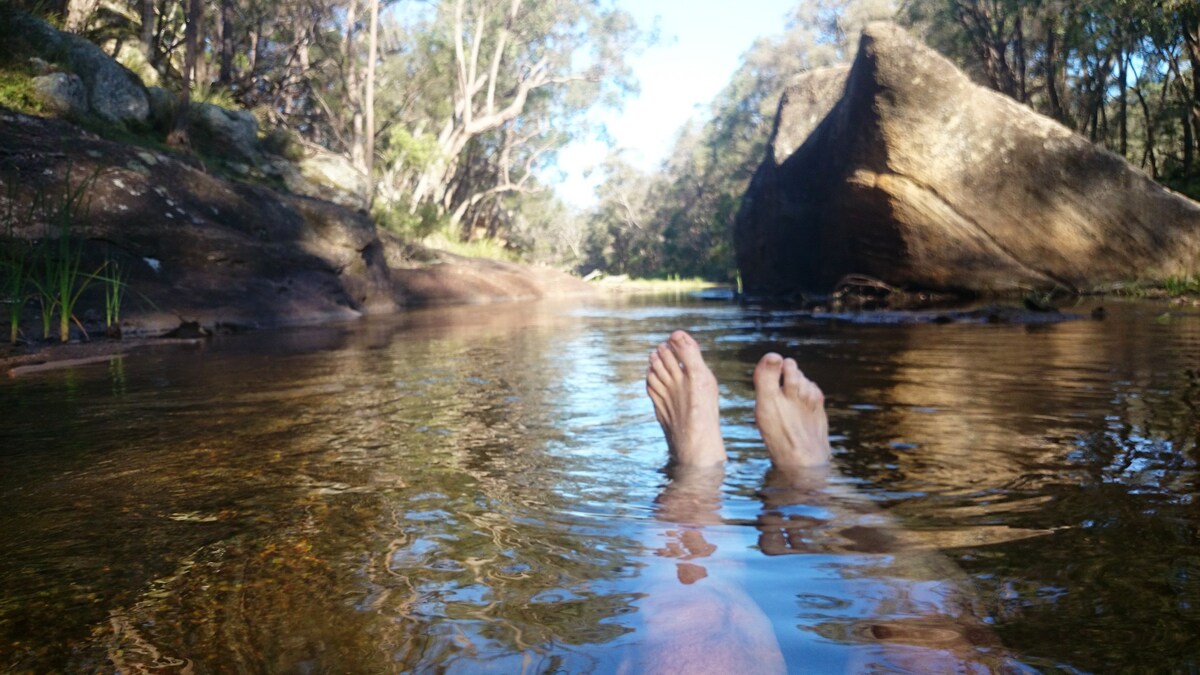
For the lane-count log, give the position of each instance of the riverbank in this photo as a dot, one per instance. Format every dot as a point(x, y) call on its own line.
point(190, 250)
point(456, 281)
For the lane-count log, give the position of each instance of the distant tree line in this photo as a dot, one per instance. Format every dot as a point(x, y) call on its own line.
point(1124, 73)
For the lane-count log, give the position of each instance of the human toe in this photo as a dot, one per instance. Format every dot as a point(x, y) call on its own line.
point(687, 350)
point(655, 384)
point(658, 365)
point(793, 379)
point(669, 362)
point(799, 386)
point(767, 374)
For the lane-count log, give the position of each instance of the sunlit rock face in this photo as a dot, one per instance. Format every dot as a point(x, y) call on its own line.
point(902, 169)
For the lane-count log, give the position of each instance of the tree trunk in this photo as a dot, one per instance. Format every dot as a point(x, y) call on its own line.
point(1149, 151)
point(225, 74)
point(79, 12)
point(1123, 103)
point(178, 138)
point(1191, 39)
point(1056, 107)
point(369, 103)
point(354, 90)
point(147, 33)
point(1021, 60)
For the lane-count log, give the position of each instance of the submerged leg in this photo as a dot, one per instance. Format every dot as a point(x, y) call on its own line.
point(789, 410)
point(684, 392)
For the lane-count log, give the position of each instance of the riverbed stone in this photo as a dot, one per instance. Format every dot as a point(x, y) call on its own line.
point(904, 170)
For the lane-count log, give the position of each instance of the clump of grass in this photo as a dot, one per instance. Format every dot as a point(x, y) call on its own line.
point(50, 270)
point(422, 223)
point(15, 268)
point(16, 260)
point(1177, 286)
point(16, 92)
point(58, 278)
point(114, 292)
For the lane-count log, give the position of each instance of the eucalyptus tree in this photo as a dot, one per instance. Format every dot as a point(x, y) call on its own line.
point(493, 88)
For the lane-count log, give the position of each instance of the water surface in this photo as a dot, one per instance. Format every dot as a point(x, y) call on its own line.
point(480, 490)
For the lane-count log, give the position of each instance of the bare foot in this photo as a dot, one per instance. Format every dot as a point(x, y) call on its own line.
point(684, 392)
point(790, 412)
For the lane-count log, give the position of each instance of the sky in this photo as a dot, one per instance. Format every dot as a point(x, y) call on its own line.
point(700, 46)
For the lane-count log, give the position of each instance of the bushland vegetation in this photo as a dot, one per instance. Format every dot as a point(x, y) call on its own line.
point(455, 109)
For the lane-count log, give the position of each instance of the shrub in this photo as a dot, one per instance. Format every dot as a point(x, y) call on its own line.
point(396, 218)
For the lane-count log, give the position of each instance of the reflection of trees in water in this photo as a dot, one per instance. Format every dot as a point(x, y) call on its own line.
point(977, 437)
point(390, 502)
point(1087, 431)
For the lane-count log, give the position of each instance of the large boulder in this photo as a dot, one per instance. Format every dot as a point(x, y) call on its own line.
point(914, 175)
point(114, 94)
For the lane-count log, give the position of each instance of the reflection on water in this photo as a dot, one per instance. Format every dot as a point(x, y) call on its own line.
point(480, 490)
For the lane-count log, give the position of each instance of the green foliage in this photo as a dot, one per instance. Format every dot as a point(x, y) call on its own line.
point(1117, 71)
point(49, 269)
point(479, 248)
point(1186, 186)
point(16, 70)
point(16, 92)
point(215, 94)
point(1177, 286)
point(15, 266)
point(283, 143)
point(18, 258)
point(61, 278)
point(408, 224)
point(417, 152)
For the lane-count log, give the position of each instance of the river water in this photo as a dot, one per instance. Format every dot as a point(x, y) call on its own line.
point(480, 489)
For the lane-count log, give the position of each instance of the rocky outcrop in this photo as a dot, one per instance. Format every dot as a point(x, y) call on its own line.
point(911, 174)
point(114, 94)
point(324, 175)
point(216, 255)
point(79, 80)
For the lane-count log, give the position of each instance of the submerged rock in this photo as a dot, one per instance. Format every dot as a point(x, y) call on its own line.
point(923, 180)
